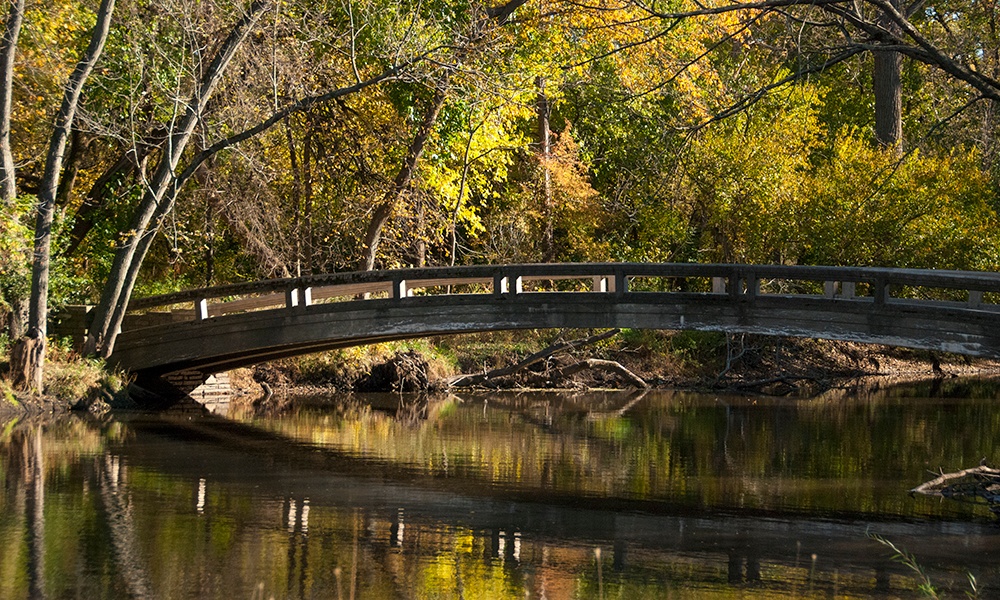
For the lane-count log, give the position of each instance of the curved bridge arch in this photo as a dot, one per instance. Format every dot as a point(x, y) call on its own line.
point(243, 324)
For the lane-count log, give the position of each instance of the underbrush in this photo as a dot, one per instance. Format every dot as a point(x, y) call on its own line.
point(68, 377)
point(347, 368)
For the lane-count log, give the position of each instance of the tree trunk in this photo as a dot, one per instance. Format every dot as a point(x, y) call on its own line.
point(543, 111)
point(131, 161)
point(160, 195)
point(8, 47)
point(38, 308)
point(888, 90)
point(384, 210)
point(420, 241)
point(14, 324)
point(293, 163)
point(307, 199)
point(78, 146)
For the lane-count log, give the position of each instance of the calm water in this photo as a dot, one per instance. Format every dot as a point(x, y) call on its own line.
point(666, 495)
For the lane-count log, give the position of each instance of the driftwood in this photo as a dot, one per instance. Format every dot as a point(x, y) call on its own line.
point(565, 371)
point(977, 484)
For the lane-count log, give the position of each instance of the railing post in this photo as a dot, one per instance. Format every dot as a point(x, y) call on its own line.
point(298, 297)
point(881, 290)
point(975, 298)
point(621, 282)
point(201, 309)
point(847, 288)
point(718, 285)
point(399, 290)
point(502, 284)
point(600, 283)
point(735, 281)
point(830, 289)
point(753, 286)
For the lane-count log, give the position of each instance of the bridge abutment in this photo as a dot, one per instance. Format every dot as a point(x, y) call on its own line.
point(212, 390)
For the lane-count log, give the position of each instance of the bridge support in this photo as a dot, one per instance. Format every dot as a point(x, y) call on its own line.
point(211, 390)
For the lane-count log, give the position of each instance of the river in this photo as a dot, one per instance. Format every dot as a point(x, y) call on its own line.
point(502, 495)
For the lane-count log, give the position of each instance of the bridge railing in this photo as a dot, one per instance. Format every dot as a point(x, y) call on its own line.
point(739, 283)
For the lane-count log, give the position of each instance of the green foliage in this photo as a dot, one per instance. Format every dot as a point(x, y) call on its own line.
point(15, 241)
point(795, 178)
point(865, 207)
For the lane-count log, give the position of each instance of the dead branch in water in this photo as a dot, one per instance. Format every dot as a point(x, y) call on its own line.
point(565, 371)
point(972, 484)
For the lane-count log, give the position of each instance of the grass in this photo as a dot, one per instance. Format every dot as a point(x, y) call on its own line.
point(924, 584)
point(68, 377)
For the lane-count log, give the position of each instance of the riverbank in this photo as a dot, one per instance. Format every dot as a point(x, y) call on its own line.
point(685, 360)
point(786, 367)
point(70, 382)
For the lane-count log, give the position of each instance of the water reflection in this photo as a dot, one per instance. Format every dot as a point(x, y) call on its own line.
point(539, 496)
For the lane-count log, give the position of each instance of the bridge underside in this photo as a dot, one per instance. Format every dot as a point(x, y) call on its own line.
point(226, 342)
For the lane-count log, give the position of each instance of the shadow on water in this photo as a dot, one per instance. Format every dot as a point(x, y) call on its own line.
point(500, 496)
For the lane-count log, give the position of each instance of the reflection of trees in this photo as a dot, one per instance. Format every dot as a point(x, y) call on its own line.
point(119, 513)
point(34, 471)
point(731, 451)
point(30, 453)
point(22, 457)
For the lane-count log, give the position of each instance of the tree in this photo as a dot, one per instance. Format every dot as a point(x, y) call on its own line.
point(8, 46)
point(28, 355)
point(174, 169)
point(829, 32)
point(474, 41)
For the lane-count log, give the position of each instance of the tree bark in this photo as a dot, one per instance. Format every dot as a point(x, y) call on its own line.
point(8, 47)
point(8, 186)
point(78, 146)
point(307, 200)
point(402, 181)
point(293, 164)
point(888, 90)
point(38, 307)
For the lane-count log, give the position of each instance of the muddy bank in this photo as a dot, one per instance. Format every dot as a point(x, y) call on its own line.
point(686, 360)
point(27, 406)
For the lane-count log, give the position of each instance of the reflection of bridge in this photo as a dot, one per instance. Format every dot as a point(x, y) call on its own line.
point(216, 329)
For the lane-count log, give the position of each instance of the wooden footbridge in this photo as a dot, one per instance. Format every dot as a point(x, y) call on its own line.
point(216, 329)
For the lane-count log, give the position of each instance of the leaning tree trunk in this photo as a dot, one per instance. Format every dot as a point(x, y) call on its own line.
point(32, 346)
point(888, 90)
point(399, 186)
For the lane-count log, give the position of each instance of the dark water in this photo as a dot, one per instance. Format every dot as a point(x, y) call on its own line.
point(667, 495)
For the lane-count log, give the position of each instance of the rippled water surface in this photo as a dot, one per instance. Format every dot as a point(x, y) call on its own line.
point(662, 495)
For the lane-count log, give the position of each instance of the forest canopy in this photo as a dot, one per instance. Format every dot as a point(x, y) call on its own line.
point(225, 140)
